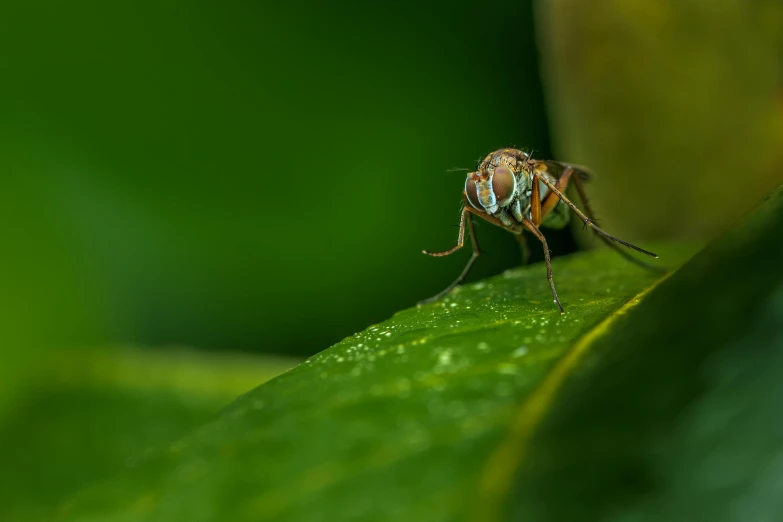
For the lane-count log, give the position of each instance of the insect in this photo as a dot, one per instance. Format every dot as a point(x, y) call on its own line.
point(512, 190)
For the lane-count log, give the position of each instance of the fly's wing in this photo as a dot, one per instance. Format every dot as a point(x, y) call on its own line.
point(556, 168)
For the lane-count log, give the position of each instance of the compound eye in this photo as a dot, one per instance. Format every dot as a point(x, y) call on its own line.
point(470, 191)
point(503, 184)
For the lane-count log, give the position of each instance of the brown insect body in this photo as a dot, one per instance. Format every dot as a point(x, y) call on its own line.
point(516, 192)
point(503, 188)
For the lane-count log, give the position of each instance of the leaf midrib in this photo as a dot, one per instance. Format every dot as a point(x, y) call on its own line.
point(294, 491)
point(497, 479)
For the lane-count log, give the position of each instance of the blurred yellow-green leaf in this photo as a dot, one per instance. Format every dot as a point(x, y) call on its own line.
point(675, 104)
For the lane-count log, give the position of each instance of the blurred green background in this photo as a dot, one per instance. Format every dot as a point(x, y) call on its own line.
point(252, 176)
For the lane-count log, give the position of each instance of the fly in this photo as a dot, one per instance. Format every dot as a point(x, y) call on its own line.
point(516, 192)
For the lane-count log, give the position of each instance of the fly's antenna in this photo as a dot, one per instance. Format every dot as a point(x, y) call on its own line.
point(529, 158)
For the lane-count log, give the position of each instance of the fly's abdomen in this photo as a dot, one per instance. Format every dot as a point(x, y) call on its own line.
point(558, 217)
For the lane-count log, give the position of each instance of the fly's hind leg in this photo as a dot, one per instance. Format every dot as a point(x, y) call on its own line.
point(590, 222)
point(551, 200)
point(589, 211)
point(466, 217)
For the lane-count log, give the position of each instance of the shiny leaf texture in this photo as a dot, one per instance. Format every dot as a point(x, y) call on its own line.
point(398, 422)
point(675, 415)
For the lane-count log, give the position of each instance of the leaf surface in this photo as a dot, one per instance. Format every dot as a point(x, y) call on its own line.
point(98, 411)
point(674, 414)
point(398, 422)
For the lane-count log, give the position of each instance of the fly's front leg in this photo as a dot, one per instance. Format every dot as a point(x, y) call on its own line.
point(460, 237)
point(466, 217)
point(536, 232)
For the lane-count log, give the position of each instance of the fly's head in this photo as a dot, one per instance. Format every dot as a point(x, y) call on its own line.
point(500, 179)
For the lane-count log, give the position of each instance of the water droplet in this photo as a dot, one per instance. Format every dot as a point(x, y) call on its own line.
point(444, 360)
point(519, 352)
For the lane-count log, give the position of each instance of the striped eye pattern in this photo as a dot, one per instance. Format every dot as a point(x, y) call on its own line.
point(489, 191)
point(503, 185)
point(472, 192)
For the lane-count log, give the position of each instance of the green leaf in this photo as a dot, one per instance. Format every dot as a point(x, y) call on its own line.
point(676, 414)
point(396, 422)
point(94, 414)
point(645, 400)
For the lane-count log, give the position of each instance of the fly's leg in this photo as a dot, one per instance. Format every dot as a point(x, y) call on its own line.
point(589, 211)
point(587, 221)
point(466, 217)
point(551, 200)
point(539, 209)
point(536, 232)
